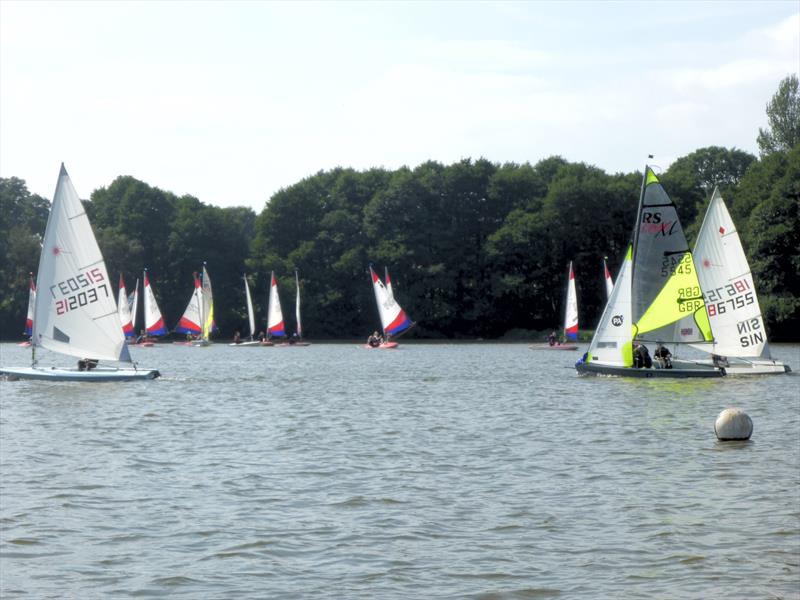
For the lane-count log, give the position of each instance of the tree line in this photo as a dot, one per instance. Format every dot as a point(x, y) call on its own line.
point(475, 249)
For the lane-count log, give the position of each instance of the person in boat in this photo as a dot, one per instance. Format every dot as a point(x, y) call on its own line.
point(663, 356)
point(551, 339)
point(87, 364)
point(261, 336)
point(294, 339)
point(641, 357)
point(719, 361)
point(374, 340)
point(237, 338)
point(142, 337)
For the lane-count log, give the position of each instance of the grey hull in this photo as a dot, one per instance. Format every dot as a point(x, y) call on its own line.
point(596, 369)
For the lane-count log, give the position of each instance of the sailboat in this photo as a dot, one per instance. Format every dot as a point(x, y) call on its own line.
point(206, 311)
point(730, 294)
point(78, 316)
point(275, 326)
point(609, 281)
point(153, 320)
point(297, 340)
point(250, 316)
point(29, 319)
point(124, 310)
point(656, 297)
point(394, 320)
point(189, 323)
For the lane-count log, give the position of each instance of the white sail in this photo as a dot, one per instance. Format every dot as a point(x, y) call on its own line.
point(393, 317)
point(297, 306)
point(134, 304)
point(609, 281)
point(571, 312)
point(124, 310)
point(250, 315)
point(207, 306)
point(275, 326)
point(31, 306)
point(728, 288)
point(78, 314)
point(153, 320)
point(612, 341)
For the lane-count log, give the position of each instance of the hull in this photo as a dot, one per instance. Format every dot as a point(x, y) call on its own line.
point(384, 346)
point(554, 347)
point(245, 344)
point(24, 344)
point(265, 343)
point(750, 367)
point(584, 368)
point(200, 343)
point(95, 375)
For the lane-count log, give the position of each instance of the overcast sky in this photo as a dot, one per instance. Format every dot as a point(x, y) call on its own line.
point(230, 102)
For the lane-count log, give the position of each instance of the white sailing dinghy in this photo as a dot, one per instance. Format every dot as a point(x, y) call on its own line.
point(29, 319)
point(740, 339)
point(250, 317)
point(275, 326)
point(394, 320)
point(78, 316)
point(207, 324)
point(656, 298)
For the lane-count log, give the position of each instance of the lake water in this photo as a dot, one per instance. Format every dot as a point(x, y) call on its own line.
point(433, 471)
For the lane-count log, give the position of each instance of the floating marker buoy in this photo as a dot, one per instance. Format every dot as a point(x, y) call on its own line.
point(733, 424)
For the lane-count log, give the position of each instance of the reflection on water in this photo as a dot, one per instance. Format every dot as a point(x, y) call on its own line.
point(448, 471)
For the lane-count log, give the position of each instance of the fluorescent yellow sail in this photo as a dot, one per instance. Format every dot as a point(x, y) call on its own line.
point(680, 297)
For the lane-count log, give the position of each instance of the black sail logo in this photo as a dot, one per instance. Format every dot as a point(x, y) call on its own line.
point(617, 320)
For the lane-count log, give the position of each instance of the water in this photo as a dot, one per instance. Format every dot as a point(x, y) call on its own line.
point(433, 471)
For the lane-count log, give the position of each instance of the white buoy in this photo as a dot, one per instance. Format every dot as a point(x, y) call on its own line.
point(733, 424)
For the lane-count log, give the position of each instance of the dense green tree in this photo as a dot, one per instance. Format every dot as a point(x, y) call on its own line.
point(783, 114)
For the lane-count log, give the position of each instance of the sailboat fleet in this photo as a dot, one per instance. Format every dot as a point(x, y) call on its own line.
point(665, 294)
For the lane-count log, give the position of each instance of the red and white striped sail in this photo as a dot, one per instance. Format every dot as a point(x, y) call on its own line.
point(153, 320)
point(571, 313)
point(31, 306)
point(275, 326)
point(393, 317)
point(609, 281)
point(124, 310)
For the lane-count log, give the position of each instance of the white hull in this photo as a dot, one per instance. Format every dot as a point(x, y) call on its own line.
point(756, 366)
point(95, 375)
point(246, 344)
point(201, 343)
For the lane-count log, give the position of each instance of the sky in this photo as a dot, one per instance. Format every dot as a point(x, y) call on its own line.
point(232, 101)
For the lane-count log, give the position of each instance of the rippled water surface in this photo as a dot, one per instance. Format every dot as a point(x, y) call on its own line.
point(433, 471)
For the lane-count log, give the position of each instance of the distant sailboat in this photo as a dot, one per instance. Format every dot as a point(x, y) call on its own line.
point(609, 281)
point(153, 320)
point(206, 311)
point(275, 326)
point(394, 320)
point(297, 339)
point(31, 306)
point(250, 317)
point(78, 316)
point(124, 310)
point(189, 323)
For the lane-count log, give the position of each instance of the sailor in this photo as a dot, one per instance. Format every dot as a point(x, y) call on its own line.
point(374, 340)
point(641, 356)
point(551, 339)
point(664, 356)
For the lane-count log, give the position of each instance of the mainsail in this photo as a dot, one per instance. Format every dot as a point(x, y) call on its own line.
point(571, 311)
point(611, 343)
point(153, 321)
point(250, 315)
point(728, 287)
point(297, 306)
point(191, 319)
point(275, 327)
point(31, 306)
point(207, 306)
point(665, 288)
point(78, 314)
point(124, 310)
point(393, 318)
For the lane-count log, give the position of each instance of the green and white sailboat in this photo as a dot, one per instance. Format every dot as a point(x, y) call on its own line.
point(657, 296)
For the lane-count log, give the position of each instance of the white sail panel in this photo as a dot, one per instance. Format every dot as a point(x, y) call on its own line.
point(124, 310)
point(191, 319)
point(728, 288)
point(76, 313)
point(297, 306)
point(393, 317)
point(250, 316)
point(153, 320)
point(31, 306)
point(207, 306)
point(612, 341)
point(571, 312)
point(134, 305)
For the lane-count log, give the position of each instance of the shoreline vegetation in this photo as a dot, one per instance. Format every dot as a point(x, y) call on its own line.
point(477, 250)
